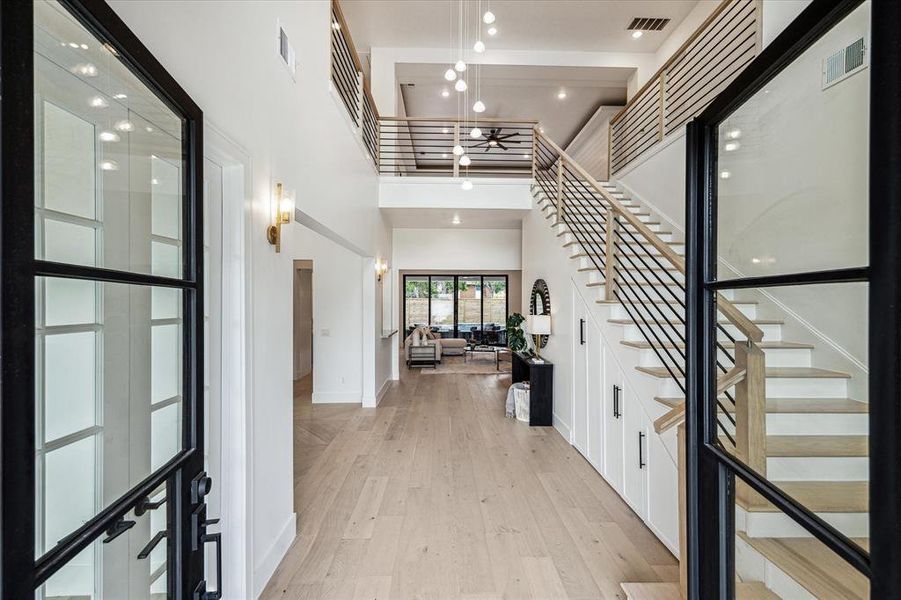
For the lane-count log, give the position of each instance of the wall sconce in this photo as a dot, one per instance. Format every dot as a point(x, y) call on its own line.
point(381, 267)
point(284, 205)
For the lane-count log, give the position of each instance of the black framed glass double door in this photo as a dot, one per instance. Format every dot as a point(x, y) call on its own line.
point(102, 313)
point(474, 307)
point(793, 415)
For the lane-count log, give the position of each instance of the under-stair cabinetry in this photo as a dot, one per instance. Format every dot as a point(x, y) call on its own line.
point(587, 418)
point(635, 454)
point(613, 421)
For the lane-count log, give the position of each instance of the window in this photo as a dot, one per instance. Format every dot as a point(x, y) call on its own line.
point(472, 307)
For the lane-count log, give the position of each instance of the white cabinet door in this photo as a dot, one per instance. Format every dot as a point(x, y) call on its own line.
point(635, 454)
point(663, 493)
point(580, 383)
point(613, 422)
point(595, 388)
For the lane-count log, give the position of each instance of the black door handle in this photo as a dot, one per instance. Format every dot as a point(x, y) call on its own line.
point(616, 412)
point(582, 332)
point(641, 463)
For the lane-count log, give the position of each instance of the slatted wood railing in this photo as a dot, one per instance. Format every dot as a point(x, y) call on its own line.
point(702, 67)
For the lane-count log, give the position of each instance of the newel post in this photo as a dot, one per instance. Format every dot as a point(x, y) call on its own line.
point(750, 406)
point(610, 233)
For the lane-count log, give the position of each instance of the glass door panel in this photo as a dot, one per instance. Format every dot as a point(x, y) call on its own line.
point(442, 306)
point(495, 310)
point(416, 303)
point(469, 308)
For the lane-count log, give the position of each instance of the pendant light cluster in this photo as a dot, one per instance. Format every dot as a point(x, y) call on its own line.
point(456, 72)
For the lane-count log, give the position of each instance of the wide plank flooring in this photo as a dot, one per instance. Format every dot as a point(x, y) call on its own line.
point(435, 494)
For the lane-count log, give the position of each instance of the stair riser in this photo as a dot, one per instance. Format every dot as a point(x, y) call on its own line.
point(750, 565)
point(591, 225)
point(673, 308)
point(788, 357)
point(817, 424)
point(780, 387)
point(771, 333)
point(589, 216)
point(818, 468)
point(779, 525)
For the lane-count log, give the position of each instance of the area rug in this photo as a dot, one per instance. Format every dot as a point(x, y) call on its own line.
point(479, 364)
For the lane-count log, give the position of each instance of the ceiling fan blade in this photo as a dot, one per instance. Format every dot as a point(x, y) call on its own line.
point(508, 136)
point(487, 148)
point(501, 146)
point(485, 143)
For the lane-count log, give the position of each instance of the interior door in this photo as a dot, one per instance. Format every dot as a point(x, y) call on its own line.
point(594, 394)
point(580, 381)
point(613, 422)
point(102, 313)
point(635, 453)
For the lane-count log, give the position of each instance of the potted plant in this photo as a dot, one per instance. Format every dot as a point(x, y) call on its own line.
point(516, 339)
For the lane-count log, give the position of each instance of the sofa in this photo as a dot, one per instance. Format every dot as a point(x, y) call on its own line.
point(443, 346)
point(453, 346)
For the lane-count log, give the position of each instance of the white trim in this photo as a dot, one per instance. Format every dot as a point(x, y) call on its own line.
point(264, 570)
point(454, 180)
point(337, 397)
point(562, 428)
point(237, 406)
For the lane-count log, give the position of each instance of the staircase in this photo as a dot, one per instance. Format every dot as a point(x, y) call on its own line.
point(780, 413)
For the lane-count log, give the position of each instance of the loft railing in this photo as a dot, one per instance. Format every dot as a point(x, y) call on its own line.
point(701, 68)
point(424, 146)
point(646, 276)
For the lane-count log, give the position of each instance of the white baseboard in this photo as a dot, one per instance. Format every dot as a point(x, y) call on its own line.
point(562, 428)
point(264, 570)
point(373, 401)
point(337, 397)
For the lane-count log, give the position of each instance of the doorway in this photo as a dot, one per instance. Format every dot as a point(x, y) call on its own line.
point(303, 325)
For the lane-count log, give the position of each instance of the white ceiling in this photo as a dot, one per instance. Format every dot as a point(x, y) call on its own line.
point(572, 25)
point(517, 92)
point(440, 218)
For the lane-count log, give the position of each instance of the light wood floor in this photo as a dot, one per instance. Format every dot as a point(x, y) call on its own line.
point(436, 494)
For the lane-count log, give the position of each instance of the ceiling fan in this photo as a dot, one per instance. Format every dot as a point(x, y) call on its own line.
point(494, 139)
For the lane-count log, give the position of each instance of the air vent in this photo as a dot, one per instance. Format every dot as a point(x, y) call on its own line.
point(285, 50)
point(844, 63)
point(647, 24)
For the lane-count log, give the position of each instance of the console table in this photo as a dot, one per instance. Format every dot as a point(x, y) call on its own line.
point(541, 388)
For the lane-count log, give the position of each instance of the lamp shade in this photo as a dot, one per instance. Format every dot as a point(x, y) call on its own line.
point(540, 324)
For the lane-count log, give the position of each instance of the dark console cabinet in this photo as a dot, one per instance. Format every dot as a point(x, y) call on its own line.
point(541, 382)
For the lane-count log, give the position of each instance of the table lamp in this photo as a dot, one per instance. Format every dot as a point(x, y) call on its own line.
point(539, 325)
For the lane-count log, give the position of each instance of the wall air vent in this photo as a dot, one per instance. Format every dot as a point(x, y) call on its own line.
point(844, 63)
point(285, 50)
point(647, 24)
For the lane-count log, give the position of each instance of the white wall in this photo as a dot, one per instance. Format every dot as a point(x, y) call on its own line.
point(445, 192)
point(295, 133)
point(590, 147)
point(777, 14)
point(462, 249)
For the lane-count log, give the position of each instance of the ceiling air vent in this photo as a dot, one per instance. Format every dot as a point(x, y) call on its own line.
point(844, 63)
point(647, 24)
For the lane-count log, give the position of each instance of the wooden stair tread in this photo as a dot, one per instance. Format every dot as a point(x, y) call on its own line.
point(765, 345)
point(798, 405)
point(817, 445)
point(672, 591)
point(813, 566)
point(817, 496)
point(773, 372)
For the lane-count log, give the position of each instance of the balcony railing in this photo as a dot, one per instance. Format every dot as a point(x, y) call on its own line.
point(699, 70)
point(411, 146)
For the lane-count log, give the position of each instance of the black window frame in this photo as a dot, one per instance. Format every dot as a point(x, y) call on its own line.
point(456, 277)
point(21, 572)
point(711, 472)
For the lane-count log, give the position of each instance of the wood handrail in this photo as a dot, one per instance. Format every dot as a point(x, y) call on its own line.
point(729, 310)
point(462, 120)
point(336, 6)
point(676, 414)
point(675, 56)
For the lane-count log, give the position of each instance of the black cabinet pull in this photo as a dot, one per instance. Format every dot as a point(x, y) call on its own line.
point(582, 332)
point(616, 413)
point(146, 550)
point(641, 463)
point(117, 529)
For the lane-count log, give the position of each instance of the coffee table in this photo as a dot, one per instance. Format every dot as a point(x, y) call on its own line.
point(496, 350)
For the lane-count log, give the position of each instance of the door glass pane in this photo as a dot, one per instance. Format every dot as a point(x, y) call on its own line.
point(416, 302)
point(792, 161)
point(469, 308)
point(108, 156)
point(442, 307)
point(799, 415)
point(495, 317)
point(125, 568)
point(108, 396)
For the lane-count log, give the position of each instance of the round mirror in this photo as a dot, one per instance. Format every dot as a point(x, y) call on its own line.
point(540, 305)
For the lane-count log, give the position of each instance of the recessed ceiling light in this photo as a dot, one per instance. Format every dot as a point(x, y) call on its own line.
point(734, 134)
point(725, 175)
point(465, 161)
point(73, 45)
point(444, 155)
point(83, 46)
point(561, 94)
point(98, 102)
point(637, 34)
point(755, 260)
point(445, 93)
point(450, 74)
point(475, 132)
point(124, 126)
point(479, 46)
point(460, 66)
point(149, 129)
point(109, 136)
point(458, 150)
point(731, 146)
point(456, 220)
point(525, 156)
point(478, 107)
point(460, 86)
point(445, 130)
point(154, 181)
point(467, 185)
point(488, 17)
point(492, 31)
point(120, 96)
point(109, 165)
point(88, 70)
